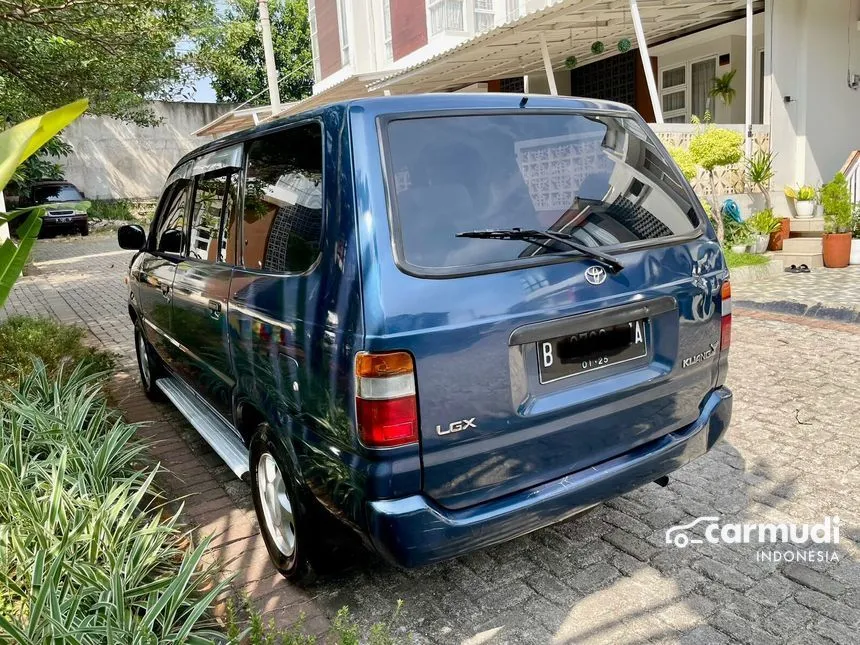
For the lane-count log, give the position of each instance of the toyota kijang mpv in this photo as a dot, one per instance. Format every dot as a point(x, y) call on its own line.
point(441, 321)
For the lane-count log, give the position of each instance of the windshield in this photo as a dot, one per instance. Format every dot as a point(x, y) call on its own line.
point(599, 179)
point(60, 193)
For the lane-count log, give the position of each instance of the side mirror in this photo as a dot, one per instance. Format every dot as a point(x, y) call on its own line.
point(131, 236)
point(172, 241)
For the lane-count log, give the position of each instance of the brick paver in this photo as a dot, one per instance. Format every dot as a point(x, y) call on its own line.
point(823, 293)
point(606, 577)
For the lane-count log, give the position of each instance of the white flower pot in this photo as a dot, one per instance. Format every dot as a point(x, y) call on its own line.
point(855, 251)
point(739, 248)
point(761, 242)
point(805, 209)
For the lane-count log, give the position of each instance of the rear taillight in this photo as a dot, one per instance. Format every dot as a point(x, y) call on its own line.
point(385, 402)
point(726, 324)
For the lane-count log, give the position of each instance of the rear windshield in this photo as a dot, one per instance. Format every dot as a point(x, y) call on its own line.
point(597, 178)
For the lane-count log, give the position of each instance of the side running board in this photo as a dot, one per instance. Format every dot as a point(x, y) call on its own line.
point(208, 424)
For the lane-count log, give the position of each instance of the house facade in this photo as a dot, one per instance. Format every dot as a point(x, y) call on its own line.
point(802, 100)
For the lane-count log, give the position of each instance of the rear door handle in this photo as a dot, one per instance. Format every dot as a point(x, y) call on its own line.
point(214, 309)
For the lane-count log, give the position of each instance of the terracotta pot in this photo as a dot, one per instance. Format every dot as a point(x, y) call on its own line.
point(778, 237)
point(836, 249)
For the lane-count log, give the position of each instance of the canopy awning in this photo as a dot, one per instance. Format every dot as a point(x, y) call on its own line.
point(570, 27)
point(234, 121)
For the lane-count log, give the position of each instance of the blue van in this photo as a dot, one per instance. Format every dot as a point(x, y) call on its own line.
point(443, 321)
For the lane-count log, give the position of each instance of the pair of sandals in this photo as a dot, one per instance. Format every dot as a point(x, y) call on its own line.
point(798, 269)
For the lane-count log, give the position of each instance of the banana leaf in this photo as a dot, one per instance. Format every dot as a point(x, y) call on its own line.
point(13, 256)
point(22, 140)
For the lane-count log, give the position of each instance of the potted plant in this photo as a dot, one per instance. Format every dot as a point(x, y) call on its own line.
point(855, 240)
point(737, 235)
point(721, 87)
point(838, 222)
point(763, 226)
point(804, 200)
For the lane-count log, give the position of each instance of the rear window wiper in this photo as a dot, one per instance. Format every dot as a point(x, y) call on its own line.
point(538, 237)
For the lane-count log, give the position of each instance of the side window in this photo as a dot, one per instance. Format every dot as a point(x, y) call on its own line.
point(282, 218)
point(170, 227)
point(209, 201)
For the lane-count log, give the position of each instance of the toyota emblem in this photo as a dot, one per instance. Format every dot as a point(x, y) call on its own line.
point(595, 275)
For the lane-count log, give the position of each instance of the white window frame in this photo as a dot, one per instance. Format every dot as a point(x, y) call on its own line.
point(431, 4)
point(315, 48)
point(386, 31)
point(514, 9)
point(343, 32)
point(676, 89)
point(484, 11)
point(687, 112)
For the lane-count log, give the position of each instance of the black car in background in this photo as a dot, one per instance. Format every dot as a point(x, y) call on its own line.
point(65, 215)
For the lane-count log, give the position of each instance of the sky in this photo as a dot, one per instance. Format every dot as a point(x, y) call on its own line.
point(203, 92)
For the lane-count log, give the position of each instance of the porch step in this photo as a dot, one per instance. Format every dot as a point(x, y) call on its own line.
point(208, 424)
point(809, 225)
point(802, 245)
point(812, 260)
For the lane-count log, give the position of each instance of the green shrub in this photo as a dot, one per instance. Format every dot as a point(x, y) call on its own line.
point(685, 162)
point(118, 210)
point(22, 339)
point(90, 554)
point(764, 222)
point(838, 208)
point(713, 148)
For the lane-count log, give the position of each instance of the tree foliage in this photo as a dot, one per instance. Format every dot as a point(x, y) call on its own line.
point(231, 51)
point(116, 53)
point(713, 148)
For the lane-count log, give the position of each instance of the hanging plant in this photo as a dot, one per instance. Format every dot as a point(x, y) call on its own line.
point(597, 48)
point(722, 87)
point(570, 62)
point(624, 45)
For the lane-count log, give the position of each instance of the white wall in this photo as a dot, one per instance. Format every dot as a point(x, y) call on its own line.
point(113, 159)
point(811, 42)
point(729, 39)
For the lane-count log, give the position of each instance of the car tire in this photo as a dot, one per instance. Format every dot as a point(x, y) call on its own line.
point(149, 366)
point(283, 515)
point(85, 230)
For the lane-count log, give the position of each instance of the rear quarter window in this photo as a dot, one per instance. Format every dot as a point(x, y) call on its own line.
point(601, 179)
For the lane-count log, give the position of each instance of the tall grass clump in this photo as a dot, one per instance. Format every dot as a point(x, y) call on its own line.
point(23, 338)
point(88, 551)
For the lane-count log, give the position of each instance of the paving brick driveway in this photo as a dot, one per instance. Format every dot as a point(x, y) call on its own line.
point(792, 454)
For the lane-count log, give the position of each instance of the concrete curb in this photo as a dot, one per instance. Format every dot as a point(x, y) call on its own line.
point(745, 275)
point(820, 311)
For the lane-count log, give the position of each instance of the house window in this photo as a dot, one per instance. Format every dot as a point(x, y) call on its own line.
point(344, 32)
point(674, 95)
point(445, 15)
point(702, 75)
point(315, 50)
point(512, 9)
point(685, 90)
point(485, 16)
point(386, 20)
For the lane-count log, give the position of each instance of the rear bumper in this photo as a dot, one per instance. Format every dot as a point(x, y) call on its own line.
point(414, 531)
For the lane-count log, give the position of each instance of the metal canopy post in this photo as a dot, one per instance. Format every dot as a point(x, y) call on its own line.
point(269, 55)
point(749, 90)
point(547, 65)
point(646, 61)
